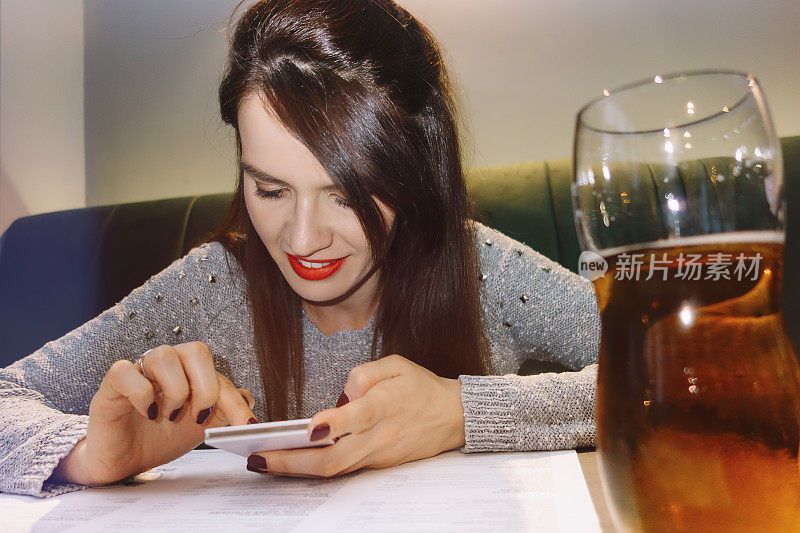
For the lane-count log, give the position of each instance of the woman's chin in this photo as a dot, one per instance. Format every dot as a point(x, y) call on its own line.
point(330, 291)
point(318, 295)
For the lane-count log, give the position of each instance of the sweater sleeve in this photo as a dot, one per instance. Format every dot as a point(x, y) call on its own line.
point(534, 308)
point(45, 397)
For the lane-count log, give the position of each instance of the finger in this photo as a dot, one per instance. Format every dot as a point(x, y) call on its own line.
point(123, 380)
point(231, 405)
point(380, 457)
point(198, 364)
point(390, 453)
point(327, 461)
point(248, 397)
point(356, 416)
point(264, 472)
point(375, 460)
point(163, 365)
point(366, 462)
point(363, 377)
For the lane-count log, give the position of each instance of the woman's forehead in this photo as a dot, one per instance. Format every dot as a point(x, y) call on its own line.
point(260, 130)
point(269, 147)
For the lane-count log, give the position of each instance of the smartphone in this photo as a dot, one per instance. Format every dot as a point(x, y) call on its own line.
point(251, 438)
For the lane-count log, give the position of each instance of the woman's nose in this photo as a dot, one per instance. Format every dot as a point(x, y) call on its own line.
point(308, 232)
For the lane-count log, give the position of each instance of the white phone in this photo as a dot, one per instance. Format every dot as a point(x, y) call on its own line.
point(251, 438)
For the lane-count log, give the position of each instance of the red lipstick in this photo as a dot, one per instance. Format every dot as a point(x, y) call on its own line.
point(314, 274)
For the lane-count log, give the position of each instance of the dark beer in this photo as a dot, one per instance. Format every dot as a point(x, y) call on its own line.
point(698, 407)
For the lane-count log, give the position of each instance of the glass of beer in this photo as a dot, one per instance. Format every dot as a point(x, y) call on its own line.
point(679, 206)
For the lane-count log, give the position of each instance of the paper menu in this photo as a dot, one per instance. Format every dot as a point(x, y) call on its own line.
point(541, 491)
point(210, 490)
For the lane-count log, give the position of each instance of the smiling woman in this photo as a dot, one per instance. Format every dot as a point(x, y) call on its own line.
point(349, 102)
point(348, 272)
point(305, 223)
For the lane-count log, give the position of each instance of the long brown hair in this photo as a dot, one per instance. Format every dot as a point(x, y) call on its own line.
point(362, 85)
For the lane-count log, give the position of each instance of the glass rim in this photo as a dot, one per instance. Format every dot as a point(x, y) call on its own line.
point(665, 77)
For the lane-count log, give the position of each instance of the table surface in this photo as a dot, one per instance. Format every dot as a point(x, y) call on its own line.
point(588, 464)
point(588, 461)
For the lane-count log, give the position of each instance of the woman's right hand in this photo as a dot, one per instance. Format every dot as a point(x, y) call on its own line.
point(136, 424)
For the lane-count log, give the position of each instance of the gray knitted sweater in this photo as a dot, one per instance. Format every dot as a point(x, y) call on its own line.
point(533, 308)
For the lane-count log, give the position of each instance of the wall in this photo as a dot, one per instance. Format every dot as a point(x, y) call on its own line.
point(525, 67)
point(152, 124)
point(41, 107)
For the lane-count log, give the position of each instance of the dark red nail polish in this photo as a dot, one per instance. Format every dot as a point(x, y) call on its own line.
point(203, 415)
point(320, 432)
point(252, 420)
point(175, 414)
point(256, 461)
point(343, 399)
point(152, 411)
point(256, 470)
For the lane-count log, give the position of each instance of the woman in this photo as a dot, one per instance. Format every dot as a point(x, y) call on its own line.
point(347, 267)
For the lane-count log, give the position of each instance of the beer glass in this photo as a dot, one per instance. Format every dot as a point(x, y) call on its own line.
point(679, 206)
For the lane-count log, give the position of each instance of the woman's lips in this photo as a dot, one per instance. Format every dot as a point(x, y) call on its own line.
point(314, 274)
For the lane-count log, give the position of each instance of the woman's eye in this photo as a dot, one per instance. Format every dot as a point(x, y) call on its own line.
point(273, 193)
point(341, 201)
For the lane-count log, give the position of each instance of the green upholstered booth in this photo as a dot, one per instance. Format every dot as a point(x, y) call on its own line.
point(59, 270)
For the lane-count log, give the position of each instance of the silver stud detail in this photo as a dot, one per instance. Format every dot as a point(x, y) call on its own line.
point(546, 269)
point(193, 301)
point(204, 258)
point(524, 298)
point(488, 242)
point(212, 278)
point(159, 297)
point(182, 275)
point(149, 335)
point(132, 314)
point(204, 245)
point(507, 324)
point(519, 252)
point(177, 330)
point(483, 277)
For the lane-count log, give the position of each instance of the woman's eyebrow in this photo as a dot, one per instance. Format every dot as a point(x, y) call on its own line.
point(262, 176)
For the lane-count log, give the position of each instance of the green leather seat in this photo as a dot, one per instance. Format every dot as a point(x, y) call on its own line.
point(532, 202)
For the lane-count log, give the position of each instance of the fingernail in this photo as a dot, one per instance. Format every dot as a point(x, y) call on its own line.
point(343, 399)
point(320, 432)
point(175, 414)
point(152, 411)
point(252, 421)
point(256, 470)
point(257, 462)
point(203, 415)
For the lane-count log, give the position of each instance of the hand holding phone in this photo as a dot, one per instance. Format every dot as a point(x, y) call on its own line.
point(251, 438)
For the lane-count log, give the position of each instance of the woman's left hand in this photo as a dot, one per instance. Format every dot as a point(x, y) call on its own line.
point(398, 412)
